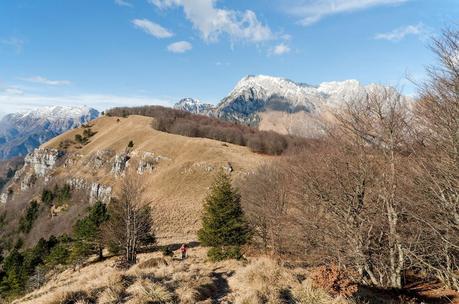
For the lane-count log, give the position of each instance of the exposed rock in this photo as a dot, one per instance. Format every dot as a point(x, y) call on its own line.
point(147, 163)
point(193, 106)
point(3, 198)
point(28, 181)
point(19, 173)
point(77, 183)
point(100, 158)
point(72, 160)
point(100, 193)
point(228, 168)
point(204, 166)
point(42, 160)
point(120, 163)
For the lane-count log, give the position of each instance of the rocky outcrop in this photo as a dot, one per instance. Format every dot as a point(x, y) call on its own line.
point(77, 183)
point(148, 162)
point(100, 193)
point(120, 164)
point(96, 191)
point(100, 158)
point(3, 198)
point(42, 160)
point(193, 106)
point(28, 181)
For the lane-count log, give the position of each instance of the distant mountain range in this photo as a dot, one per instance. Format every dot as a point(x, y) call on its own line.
point(272, 102)
point(22, 132)
point(255, 94)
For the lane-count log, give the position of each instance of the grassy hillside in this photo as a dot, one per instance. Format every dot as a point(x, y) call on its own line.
point(180, 180)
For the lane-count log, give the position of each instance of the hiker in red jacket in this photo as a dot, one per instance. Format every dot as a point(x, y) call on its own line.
point(183, 250)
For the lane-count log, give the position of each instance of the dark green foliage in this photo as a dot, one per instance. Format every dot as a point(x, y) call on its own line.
point(223, 223)
point(80, 139)
point(58, 196)
point(62, 194)
point(27, 220)
point(18, 266)
point(167, 251)
point(131, 144)
point(14, 277)
point(47, 197)
point(2, 220)
point(87, 133)
point(10, 173)
point(58, 255)
point(88, 231)
point(224, 253)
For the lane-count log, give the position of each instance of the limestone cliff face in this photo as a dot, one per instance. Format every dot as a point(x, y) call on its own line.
point(42, 161)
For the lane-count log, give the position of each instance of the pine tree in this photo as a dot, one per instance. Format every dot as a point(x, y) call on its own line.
point(88, 231)
point(224, 227)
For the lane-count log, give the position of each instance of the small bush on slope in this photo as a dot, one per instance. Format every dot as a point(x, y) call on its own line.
point(146, 291)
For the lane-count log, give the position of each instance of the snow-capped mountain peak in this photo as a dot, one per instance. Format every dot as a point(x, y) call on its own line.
point(21, 132)
point(53, 113)
point(193, 105)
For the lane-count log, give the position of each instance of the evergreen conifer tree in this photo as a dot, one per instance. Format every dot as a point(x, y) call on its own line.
point(88, 231)
point(224, 227)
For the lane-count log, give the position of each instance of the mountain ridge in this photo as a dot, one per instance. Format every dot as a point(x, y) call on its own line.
point(24, 131)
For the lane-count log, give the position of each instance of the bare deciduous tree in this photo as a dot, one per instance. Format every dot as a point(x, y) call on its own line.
point(436, 183)
point(130, 223)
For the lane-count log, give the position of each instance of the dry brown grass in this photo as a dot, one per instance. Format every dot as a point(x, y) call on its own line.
point(168, 280)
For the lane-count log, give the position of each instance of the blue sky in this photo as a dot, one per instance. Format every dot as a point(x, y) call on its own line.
point(105, 53)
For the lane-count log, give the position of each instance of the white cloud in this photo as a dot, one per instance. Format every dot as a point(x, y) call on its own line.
point(281, 49)
point(180, 47)
point(13, 91)
point(312, 11)
point(213, 22)
point(152, 28)
point(13, 103)
point(401, 32)
point(14, 42)
point(43, 80)
point(123, 3)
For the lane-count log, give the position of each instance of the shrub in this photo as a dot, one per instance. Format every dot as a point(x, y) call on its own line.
point(167, 251)
point(80, 139)
point(146, 291)
point(47, 197)
point(333, 280)
point(26, 222)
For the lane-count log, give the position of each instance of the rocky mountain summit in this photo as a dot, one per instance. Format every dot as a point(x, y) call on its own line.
point(194, 106)
point(254, 95)
point(22, 132)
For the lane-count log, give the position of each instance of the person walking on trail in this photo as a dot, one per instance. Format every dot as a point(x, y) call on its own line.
point(183, 251)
